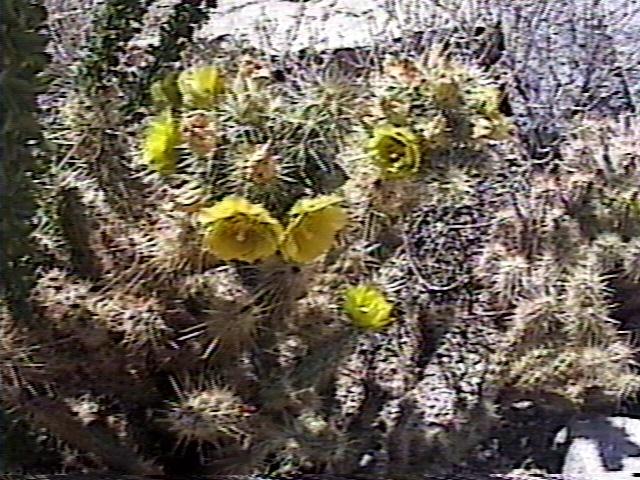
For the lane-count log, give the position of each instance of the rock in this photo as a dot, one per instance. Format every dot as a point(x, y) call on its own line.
point(602, 447)
point(277, 26)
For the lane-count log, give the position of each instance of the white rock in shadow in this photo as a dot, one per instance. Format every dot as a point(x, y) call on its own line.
point(602, 447)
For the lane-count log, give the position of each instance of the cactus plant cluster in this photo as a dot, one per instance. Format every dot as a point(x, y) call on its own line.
point(554, 260)
point(317, 278)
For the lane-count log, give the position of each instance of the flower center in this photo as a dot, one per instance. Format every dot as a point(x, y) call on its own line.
point(395, 149)
point(241, 233)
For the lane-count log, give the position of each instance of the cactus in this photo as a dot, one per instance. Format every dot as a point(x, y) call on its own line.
point(23, 58)
point(175, 34)
point(321, 276)
point(557, 278)
point(113, 27)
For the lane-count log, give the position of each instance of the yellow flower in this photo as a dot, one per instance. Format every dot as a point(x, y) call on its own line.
point(239, 230)
point(312, 229)
point(162, 138)
point(396, 151)
point(200, 87)
point(367, 307)
point(165, 93)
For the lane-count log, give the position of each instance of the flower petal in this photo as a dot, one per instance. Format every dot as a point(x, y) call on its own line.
point(312, 230)
point(239, 230)
point(201, 86)
point(367, 307)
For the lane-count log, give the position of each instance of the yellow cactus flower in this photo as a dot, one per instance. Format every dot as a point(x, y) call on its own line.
point(239, 230)
point(367, 307)
point(161, 140)
point(165, 93)
point(396, 151)
point(200, 87)
point(313, 227)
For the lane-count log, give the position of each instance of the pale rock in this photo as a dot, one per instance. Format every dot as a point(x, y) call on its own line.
point(602, 447)
point(276, 26)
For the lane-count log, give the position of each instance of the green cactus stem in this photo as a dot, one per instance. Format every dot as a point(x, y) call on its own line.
point(22, 59)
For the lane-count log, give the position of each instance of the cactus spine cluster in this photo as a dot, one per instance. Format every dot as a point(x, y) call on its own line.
point(559, 277)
